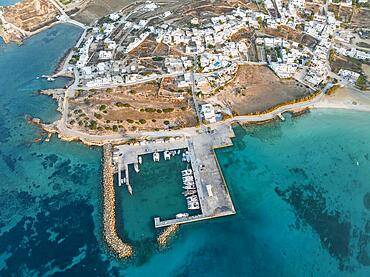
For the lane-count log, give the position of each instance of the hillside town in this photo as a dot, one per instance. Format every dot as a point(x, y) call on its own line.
point(202, 55)
point(151, 66)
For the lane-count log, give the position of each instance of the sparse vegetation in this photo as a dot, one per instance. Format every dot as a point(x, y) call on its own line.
point(120, 105)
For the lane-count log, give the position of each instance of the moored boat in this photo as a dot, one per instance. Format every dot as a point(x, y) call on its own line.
point(189, 192)
point(182, 215)
point(156, 156)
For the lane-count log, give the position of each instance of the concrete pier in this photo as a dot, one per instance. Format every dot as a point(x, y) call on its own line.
point(213, 194)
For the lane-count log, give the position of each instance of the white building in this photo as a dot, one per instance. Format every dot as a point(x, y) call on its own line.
point(208, 112)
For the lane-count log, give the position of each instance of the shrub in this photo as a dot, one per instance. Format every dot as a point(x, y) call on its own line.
point(120, 105)
point(98, 115)
point(102, 107)
point(93, 125)
point(150, 110)
point(166, 122)
point(142, 121)
point(157, 59)
point(168, 110)
point(130, 121)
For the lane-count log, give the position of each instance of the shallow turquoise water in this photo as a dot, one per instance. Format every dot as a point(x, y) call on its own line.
point(157, 191)
point(8, 2)
point(301, 190)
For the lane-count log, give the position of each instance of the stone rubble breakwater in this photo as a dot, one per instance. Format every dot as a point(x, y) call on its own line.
point(123, 250)
point(166, 234)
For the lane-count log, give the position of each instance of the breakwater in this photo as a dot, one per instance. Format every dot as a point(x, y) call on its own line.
point(166, 234)
point(123, 250)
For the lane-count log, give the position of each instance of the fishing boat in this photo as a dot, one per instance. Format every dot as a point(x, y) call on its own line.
point(192, 198)
point(156, 157)
point(193, 202)
point(193, 206)
point(188, 182)
point(140, 160)
point(186, 172)
point(187, 156)
point(129, 188)
point(189, 192)
point(188, 178)
point(167, 155)
point(182, 215)
point(189, 187)
point(136, 167)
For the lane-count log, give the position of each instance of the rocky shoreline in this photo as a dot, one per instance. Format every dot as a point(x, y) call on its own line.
point(121, 249)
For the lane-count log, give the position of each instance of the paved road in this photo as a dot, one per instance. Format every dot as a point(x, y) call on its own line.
point(186, 132)
point(65, 18)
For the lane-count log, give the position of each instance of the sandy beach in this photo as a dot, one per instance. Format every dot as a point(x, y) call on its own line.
point(345, 98)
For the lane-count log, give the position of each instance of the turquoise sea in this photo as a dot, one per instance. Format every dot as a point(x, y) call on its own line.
point(301, 189)
point(8, 2)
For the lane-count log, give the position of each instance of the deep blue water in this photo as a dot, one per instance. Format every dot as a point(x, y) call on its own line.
point(301, 189)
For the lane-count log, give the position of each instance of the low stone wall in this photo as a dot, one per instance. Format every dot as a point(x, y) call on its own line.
point(123, 250)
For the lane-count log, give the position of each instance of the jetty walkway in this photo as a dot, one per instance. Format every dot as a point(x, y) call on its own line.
point(214, 198)
point(123, 250)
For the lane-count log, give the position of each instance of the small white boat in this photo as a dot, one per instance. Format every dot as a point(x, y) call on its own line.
point(188, 178)
point(129, 188)
point(192, 198)
point(189, 187)
point(50, 79)
point(189, 192)
point(182, 215)
point(136, 167)
point(140, 160)
point(193, 206)
point(187, 156)
point(186, 172)
point(156, 157)
point(167, 155)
